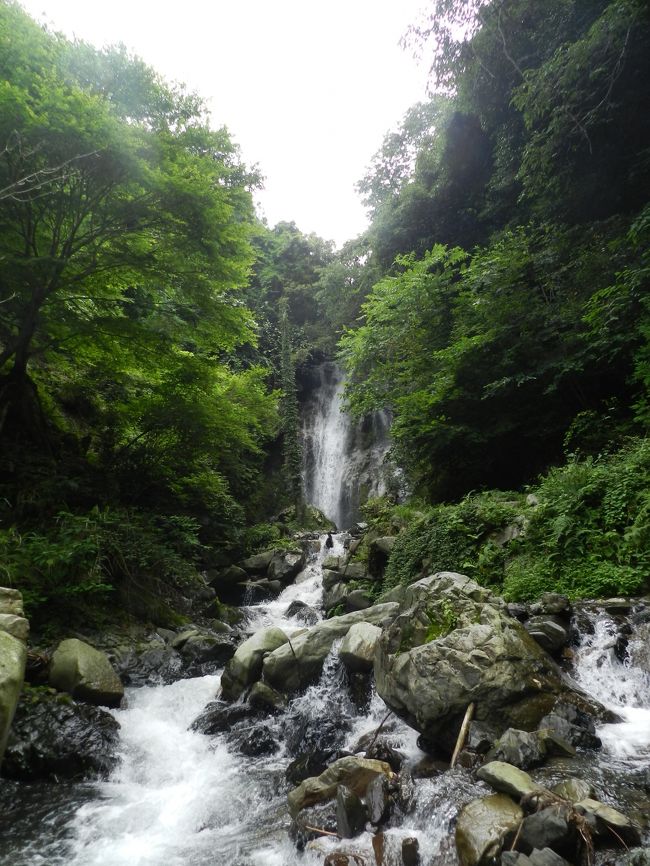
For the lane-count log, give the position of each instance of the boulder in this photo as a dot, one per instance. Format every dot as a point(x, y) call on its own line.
point(482, 827)
point(245, 667)
point(85, 673)
point(201, 649)
point(258, 563)
point(507, 779)
point(330, 578)
point(13, 657)
point(286, 564)
point(218, 717)
point(355, 773)
point(332, 563)
point(410, 851)
point(226, 579)
point(11, 601)
point(334, 596)
point(453, 644)
point(54, 738)
point(304, 827)
point(290, 668)
point(378, 799)
point(358, 648)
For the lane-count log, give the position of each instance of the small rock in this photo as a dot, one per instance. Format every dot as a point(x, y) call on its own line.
point(606, 817)
point(480, 737)
point(573, 790)
point(333, 563)
point(336, 858)
point(302, 612)
point(264, 698)
point(354, 773)
point(354, 571)
point(519, 748)
point(410, 852)
point(508, 779)
point(257, 563)
point(547, 857)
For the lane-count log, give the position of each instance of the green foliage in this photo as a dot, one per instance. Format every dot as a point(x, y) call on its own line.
point(454, 538)
point(145, 559)
point(590, 535)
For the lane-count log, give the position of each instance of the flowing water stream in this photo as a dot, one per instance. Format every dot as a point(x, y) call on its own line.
point(181, 798)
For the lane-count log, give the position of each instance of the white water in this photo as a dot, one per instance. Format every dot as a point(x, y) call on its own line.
point(621, 687)
point(343, 459)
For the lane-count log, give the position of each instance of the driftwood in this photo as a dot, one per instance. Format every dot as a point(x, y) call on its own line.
point(462, 735)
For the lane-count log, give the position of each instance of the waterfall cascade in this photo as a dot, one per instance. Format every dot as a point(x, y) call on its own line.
point(343, 459)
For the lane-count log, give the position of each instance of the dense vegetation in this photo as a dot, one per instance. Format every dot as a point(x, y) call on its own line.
point(498, 306)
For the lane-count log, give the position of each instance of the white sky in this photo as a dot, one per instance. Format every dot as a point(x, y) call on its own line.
point(306, 88)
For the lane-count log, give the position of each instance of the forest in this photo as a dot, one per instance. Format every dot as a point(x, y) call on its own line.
point(156, 335)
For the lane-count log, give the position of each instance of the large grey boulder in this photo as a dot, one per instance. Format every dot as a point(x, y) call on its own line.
point(245, 667)
point(453, 644)
point(482, 827)
point(358, 648)
point(13, 657)
point(295, 665)
point(258, 563)
point(85, 673)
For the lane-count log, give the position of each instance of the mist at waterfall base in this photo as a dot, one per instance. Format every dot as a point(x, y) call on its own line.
point(181, 798)
point(344, 461)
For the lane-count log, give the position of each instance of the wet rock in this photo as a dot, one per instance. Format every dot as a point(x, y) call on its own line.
point(634, 857)
point(548, 828)
point(482, 827)
point(200, 649)
point(480, 737)
point(357, 650)
point(218, 717)
point(550, 632)
point(224, 581)
point(554, 745)
point(307, 765)
point(547, 857)
point(306, 733)
point(290, 668)
point(265, 699)
point(338, 858)
point(520, 748)
point(157, 664)
point(378, 799)
point(54, 737)
point(380, 750)
point(302, 612)
point(452, 644)
point(429, 768)
point(285, 565)
point(354, 773)
point(360, 690)
point(405, 792)
point(570, 724)
point(245, 667)
point(508, 779)
point(351, 814)
point(304, 827)
point(573, 790)
point(608, 817)
point(85, 673)
point(410, 852)
point(253, 743)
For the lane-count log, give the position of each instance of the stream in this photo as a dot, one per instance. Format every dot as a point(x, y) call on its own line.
point(181, 798)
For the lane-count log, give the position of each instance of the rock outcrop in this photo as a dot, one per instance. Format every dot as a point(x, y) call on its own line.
point(245, 667)
point(453, 644)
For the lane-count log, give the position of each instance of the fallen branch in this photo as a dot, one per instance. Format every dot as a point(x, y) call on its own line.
point(383, 722)
point(321, 830)
point(462, 734)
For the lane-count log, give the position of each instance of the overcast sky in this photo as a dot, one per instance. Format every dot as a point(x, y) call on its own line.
point(306, 88)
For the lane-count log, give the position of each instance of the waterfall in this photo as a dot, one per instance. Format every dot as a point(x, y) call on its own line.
point(343, 458)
